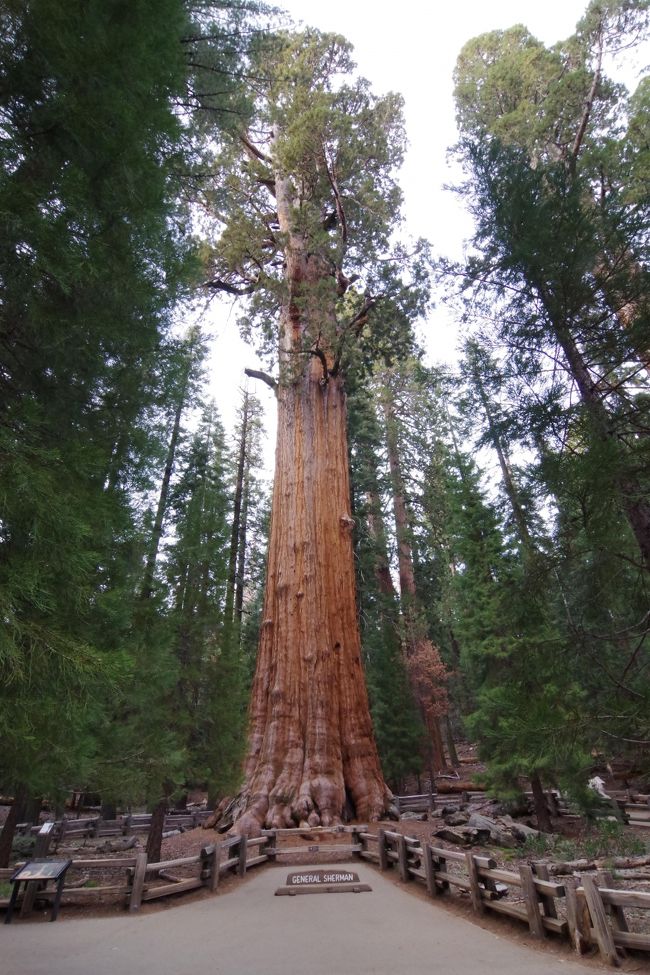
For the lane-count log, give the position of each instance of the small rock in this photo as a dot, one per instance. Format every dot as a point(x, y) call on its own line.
point(448, 810)
point(501, 838)
point(482, 822)
point(497, 834)
point(523, 832)
point(453, 836)
point(414, 817)
point(118, 845)
point(457, 819)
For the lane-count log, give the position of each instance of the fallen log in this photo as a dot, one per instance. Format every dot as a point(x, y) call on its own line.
point(457, 785)
point(618, 863)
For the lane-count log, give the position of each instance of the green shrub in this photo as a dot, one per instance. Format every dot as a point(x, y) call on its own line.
point(23, 847)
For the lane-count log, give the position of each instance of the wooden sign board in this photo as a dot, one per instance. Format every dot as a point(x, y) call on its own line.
point(41, 870)
point(333, 881)
point(312, 877)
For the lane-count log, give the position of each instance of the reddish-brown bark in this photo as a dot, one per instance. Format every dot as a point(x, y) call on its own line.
point(312, 752)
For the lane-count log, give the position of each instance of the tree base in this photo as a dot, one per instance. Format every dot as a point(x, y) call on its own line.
point(245, 815)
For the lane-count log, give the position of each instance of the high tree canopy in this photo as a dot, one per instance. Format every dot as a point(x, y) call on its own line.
point(307, 209)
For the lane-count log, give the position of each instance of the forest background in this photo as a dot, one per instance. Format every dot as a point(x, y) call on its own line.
point(133, 524)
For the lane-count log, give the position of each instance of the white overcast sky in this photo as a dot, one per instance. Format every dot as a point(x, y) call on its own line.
point(410, 47)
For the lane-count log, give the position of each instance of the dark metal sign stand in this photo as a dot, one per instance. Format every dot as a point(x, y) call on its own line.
point(39, 871)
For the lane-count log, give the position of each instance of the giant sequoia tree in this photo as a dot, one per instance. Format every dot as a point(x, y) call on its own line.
point(307, 210)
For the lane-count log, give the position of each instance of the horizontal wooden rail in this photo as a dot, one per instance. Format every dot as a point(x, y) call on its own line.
point(483, 881)
point(280, 851)
point(151, 893)
point(157, 866)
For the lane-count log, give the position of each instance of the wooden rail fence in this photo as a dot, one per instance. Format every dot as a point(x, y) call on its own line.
point(636, 807)
point(589, 912)
point(127, 825)
point(136, 880)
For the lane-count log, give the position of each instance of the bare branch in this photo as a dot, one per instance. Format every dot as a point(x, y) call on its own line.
point(217, 284)
point(340, 213)
point(252, 149)
point(264, 376)
point(589, 102)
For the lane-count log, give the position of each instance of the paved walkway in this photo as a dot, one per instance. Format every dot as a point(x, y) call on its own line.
point(248, 931)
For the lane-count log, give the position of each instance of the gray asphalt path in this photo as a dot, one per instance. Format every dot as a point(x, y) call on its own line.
point(249, 931)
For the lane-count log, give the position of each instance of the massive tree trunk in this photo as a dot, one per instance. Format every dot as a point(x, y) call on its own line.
point(312, 753)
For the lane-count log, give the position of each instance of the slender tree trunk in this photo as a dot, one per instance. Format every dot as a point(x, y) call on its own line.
point(377, 530)
point(108, 810)
point(236, 518)
point(539, 800)
point(241, 552)
point(311, 747)
point(451, 744)
point(154, 838)
point(418, 645)
point(632, 498)
point(16, 812)
point(156, 535)
point(511, 489)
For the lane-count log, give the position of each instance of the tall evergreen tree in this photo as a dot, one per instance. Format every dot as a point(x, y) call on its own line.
point(398, 726)
point(90, 267)
point(300, 252)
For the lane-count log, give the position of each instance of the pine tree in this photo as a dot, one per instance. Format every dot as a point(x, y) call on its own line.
point(90, 267)
point(398, 726)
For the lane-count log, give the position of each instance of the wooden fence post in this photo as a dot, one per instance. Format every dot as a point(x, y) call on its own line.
point(137, 885)
point(402, 859)
point(210, 866)
point(542, 871)
point(243, 854)
point(579, 926)
point(531, 900)
point(615, 912)
point(429, 870)
point(271, 845)
point(599, 922)
point(381, 848)
point(474, 889)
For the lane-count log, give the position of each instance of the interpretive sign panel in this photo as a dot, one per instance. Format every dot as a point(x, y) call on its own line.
point(30, 874)
point(41, 870)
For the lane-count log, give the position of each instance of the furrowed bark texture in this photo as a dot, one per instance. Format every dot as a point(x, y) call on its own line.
point(312, 752)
